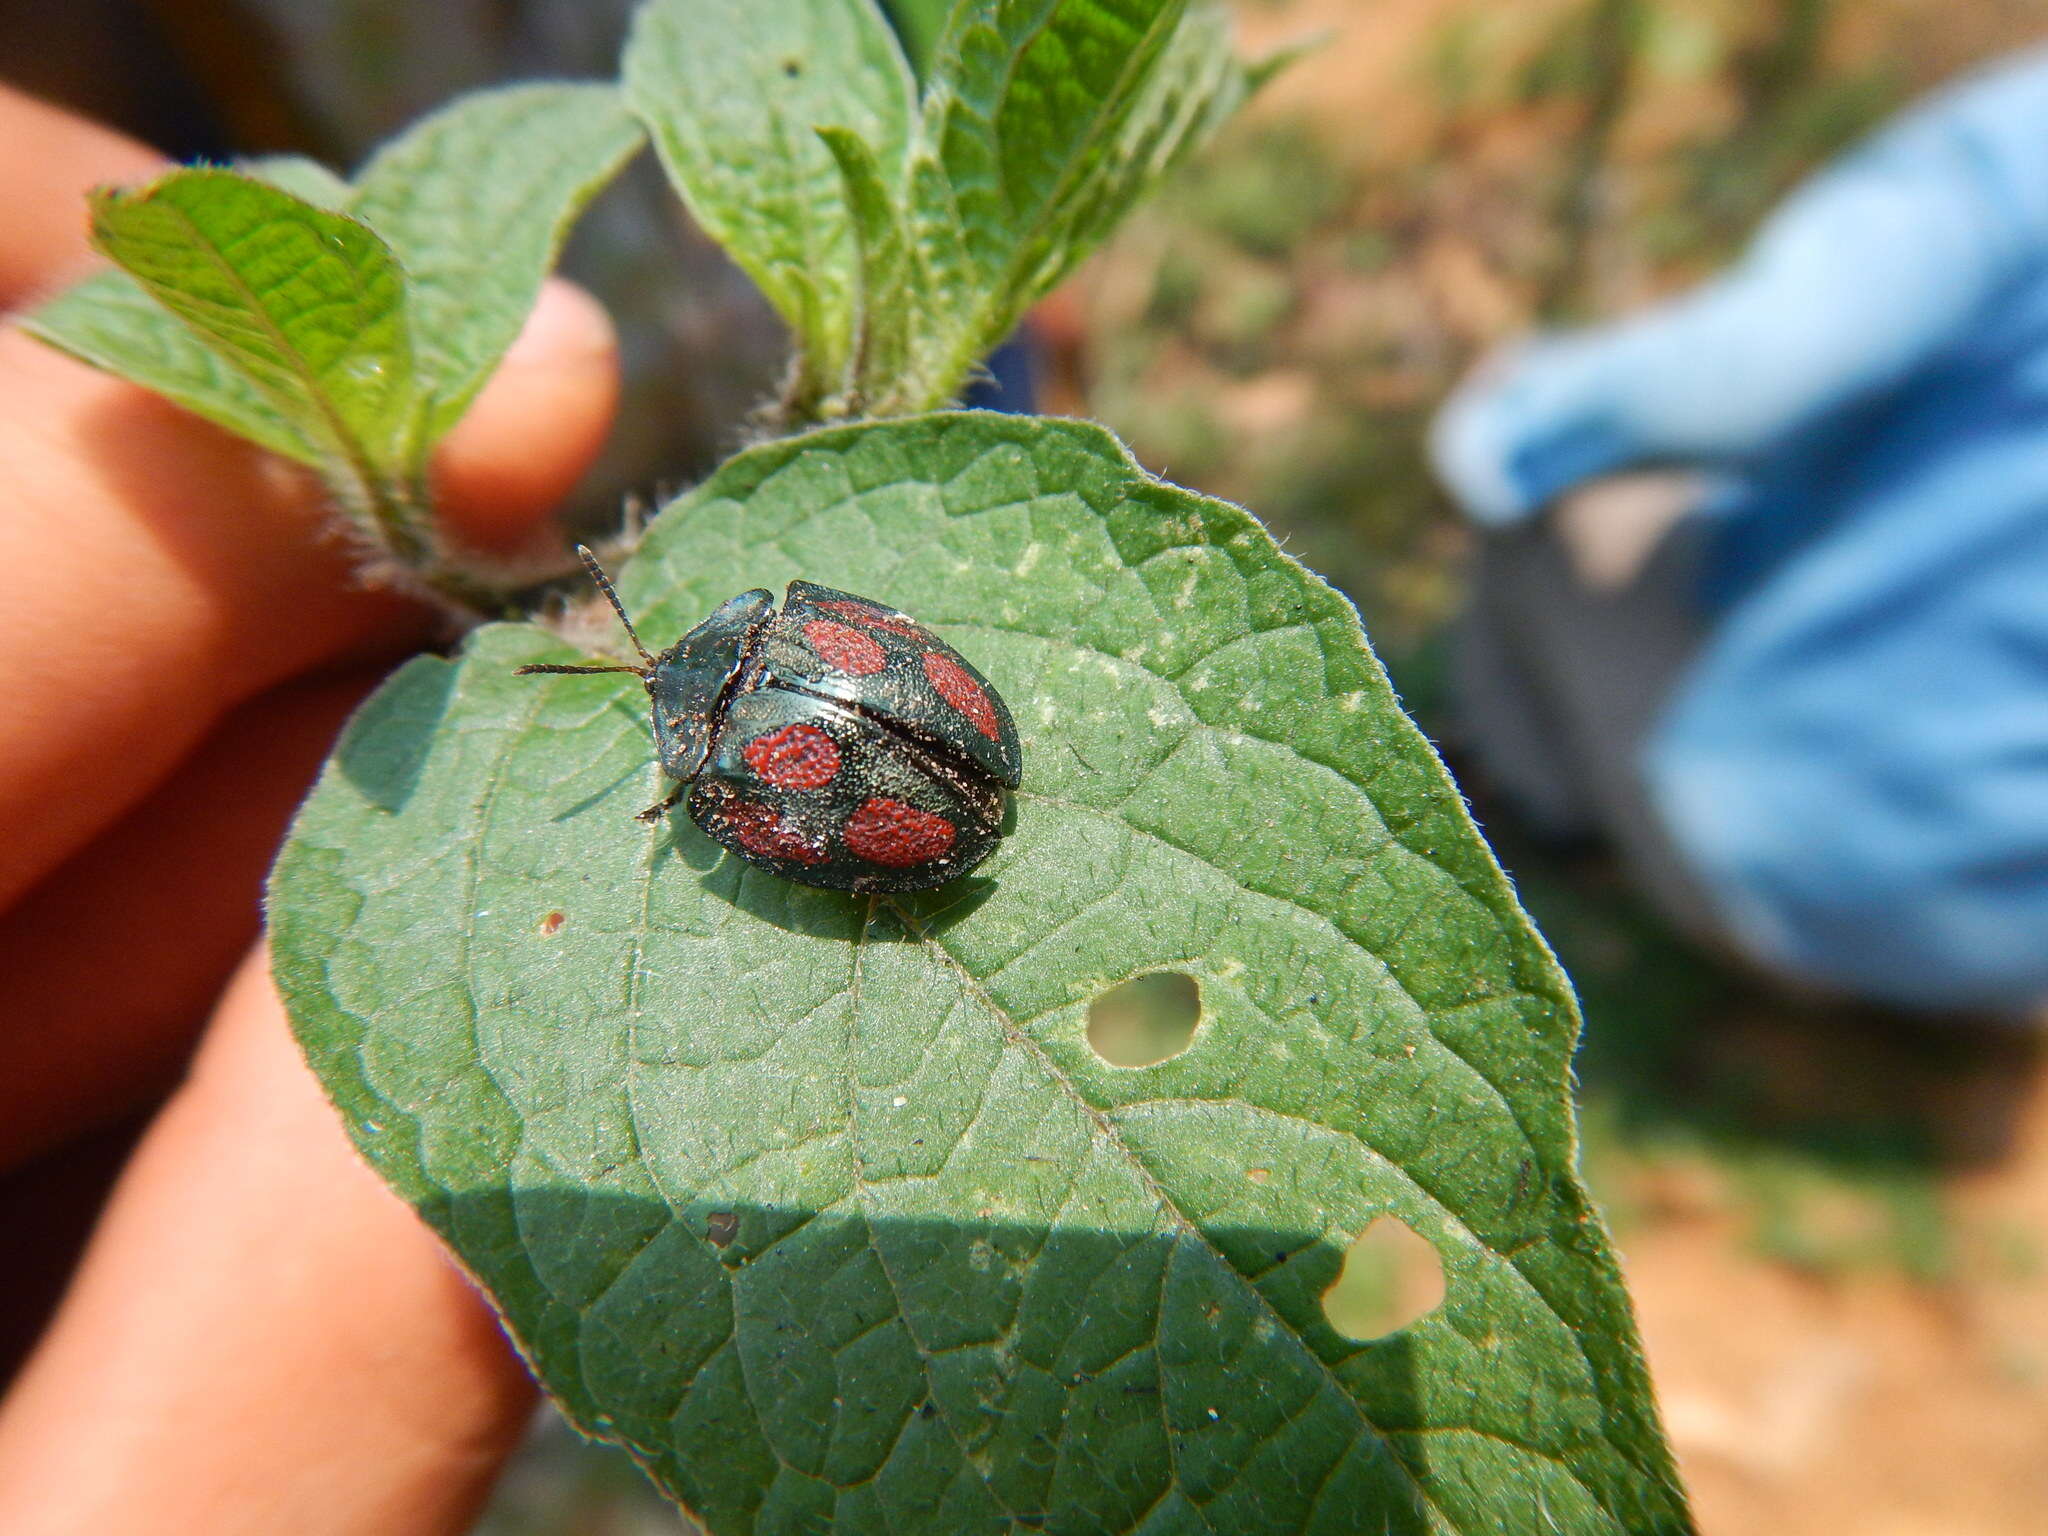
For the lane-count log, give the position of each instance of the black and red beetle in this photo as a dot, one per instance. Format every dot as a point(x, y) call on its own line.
point(836, 743)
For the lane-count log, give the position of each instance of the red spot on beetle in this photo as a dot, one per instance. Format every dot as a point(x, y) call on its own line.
point(796, 757)
point(962, 692)
point(886, 831)
point(843, 649)
point(868, 615)
point(763, 831)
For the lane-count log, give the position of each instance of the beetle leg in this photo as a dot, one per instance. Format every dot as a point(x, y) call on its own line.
point(661, 808)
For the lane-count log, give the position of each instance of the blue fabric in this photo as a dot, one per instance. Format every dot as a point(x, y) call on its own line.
point(1857, 763)
point(1008, 381)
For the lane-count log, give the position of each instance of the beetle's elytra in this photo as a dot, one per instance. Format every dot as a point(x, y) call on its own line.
point(836, 743)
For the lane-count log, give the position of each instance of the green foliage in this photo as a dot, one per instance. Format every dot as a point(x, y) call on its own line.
point(733, 92)
point(826, 1208)
point(476, 202)
point(112, 322)
point(306, 304)
point(1042, 125)
point(802, 143)
point(887, 264)
point(348, 327)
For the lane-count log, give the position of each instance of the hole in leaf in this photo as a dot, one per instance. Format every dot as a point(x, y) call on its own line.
point(1392, 1277)
point(791, 68)
point(720, 1227)
point(1146, 1019)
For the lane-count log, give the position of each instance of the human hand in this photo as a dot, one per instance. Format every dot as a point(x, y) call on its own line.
point(260, 1337)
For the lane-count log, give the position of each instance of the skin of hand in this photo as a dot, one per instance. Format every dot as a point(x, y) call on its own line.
point(260, 1337)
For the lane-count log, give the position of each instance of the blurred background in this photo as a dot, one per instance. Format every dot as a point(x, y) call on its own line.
point(1834, 1216)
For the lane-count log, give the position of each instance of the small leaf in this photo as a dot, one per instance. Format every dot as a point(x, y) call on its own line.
point(887, 307)
point(1197, 86)
point(920, 24)
point(1043, 125)
point(733, 92)
point(828, 1209)
point(303, 177)
point(1027, 98)
point(308, 304)
point(475, 201)
point(108, 321)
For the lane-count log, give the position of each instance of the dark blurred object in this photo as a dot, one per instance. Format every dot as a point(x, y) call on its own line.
point(47, 1207)
point(111, 60)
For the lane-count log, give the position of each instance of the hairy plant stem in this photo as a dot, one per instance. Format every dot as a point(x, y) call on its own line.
point(396, 519)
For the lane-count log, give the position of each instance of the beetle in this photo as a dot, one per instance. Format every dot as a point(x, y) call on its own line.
point(837, 743)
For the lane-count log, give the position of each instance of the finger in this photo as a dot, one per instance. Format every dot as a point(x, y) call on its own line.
point(262, 1338)
point(130, 532)
point(47, 1209)
point(155, 571)
point(159, 906)
point(155, 914)
point(496, 475)
point(52, 158)
point(499, 478)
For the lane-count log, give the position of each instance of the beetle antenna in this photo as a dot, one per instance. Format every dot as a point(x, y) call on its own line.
point(604, 585)
point(574, 671)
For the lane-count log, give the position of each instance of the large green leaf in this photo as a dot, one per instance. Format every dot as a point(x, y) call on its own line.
point(475, 201)
point(733, 92)
point(307, 304)
point(826, 1207)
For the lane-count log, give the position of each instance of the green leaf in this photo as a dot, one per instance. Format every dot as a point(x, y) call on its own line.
point(1196, 87)
point(274, 307)
point(920, 24)
point(309, 305)
point(475, 201)
point(887, 307)
point(303, 177)
point(108, 321)
point(733, 91)
point(825, 1206)
point(1044, 124)
point(1026, 99)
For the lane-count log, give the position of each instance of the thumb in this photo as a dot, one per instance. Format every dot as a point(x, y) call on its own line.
point(537, 425)
point(262, 1337)
point(158, 572)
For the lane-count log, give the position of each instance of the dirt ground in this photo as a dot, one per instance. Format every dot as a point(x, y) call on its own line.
point(1803, 1403)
